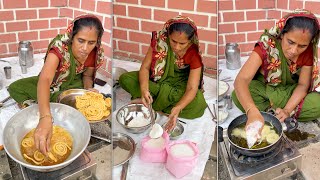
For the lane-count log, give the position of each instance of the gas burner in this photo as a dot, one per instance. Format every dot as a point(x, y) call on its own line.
point(282, 162)
point(253, 160)
point(83, 167)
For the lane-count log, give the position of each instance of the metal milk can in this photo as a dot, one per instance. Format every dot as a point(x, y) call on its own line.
point(232, 53)
point(25, 52)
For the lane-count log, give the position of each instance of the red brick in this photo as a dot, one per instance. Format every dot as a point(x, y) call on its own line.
point(139, 58)
point(6, 38)
point(129, 47)
point(88, 5)
point(128, 1)
point(151, 26)
point(233, 16)
point(246, 48)
point(38, 24)
point(155, 3)
point(212, 49)
point(213, 22)
point(104, 7)
point(74, 3)
point(294, 4)
point(245, 4)
point(107, 23)
point(13, 47)
point(246, 26)
point(221, 39)
point(120, 54)
point(207, 35)
point(212, 72)
point(225, 5)
point(6, 16)
point(48, 34)
point(120, 34)
point(255, 15)
point(313, 7)
point(3, 49)
point(199, 20)
point(119, 10)
point(54, 23)
point(160, 15)
point(139, 37)
point(207, 6)
point(14, 4)
point(16, 26)
point(115, 44)
point(144, 49)
point(181, 4)
point(59, 3)
point(274, 14)
point(26, 14)
point(143, 13)
point(1, 27)
point(127, 23)
point(226, 28)
point(202, 47)
point(209, 62)
point(42, 44)
point(265, 24)
point(66, 12)
point(106, 37)
point(266, 4)
point(221, 52)
point(37, 3)
point(283, 4)
point(254, 36)
point(235, 38)
point(48, 13)
point(27, 36)
point(108, 51)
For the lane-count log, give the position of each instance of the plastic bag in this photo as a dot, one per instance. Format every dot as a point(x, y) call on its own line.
point(154, 154)
point(180, 166)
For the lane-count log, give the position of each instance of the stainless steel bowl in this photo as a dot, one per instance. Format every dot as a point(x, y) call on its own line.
point(116, 73)
point(176, 132)
point(222, 93)
point(68, 97)
point(128, 112)
point(25, 120)
point(124, 142)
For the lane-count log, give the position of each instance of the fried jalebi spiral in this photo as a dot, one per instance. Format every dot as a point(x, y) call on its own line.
point(38, 156)
point(60, 148)
point(93, 105)
point(27, 142)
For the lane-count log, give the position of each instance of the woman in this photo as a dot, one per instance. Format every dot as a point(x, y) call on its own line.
point(70, 62)
point(282, 72)
point(171, 73)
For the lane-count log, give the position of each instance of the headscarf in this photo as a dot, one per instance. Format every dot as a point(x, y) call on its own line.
point(66, 70)
point(271, 59)
point(160, 46)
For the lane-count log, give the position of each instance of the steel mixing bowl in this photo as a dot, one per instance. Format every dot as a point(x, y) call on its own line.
point(25, 120)
point(130, 111)
point(176, 132)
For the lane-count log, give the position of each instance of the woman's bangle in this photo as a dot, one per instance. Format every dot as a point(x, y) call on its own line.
point(47, 115)
point(249, 109)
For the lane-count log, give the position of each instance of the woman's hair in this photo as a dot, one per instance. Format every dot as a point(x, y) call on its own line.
point(87, 22)
point(182, 27)
point(302, 23)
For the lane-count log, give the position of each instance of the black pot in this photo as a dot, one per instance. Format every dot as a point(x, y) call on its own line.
point(288, 125)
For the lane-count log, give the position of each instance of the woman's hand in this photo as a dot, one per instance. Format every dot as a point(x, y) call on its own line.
point(43, 134)
point(171, 124)
point(93, 90)
point(146, 98)
point(282, 114)
point(255, 115)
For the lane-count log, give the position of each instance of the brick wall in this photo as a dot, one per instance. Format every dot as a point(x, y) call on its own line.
point(243, 21)
point(135, 19)
point(40, 21)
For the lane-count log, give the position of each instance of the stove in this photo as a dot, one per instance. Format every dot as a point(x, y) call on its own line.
point(284, 161)
point(84, 167)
